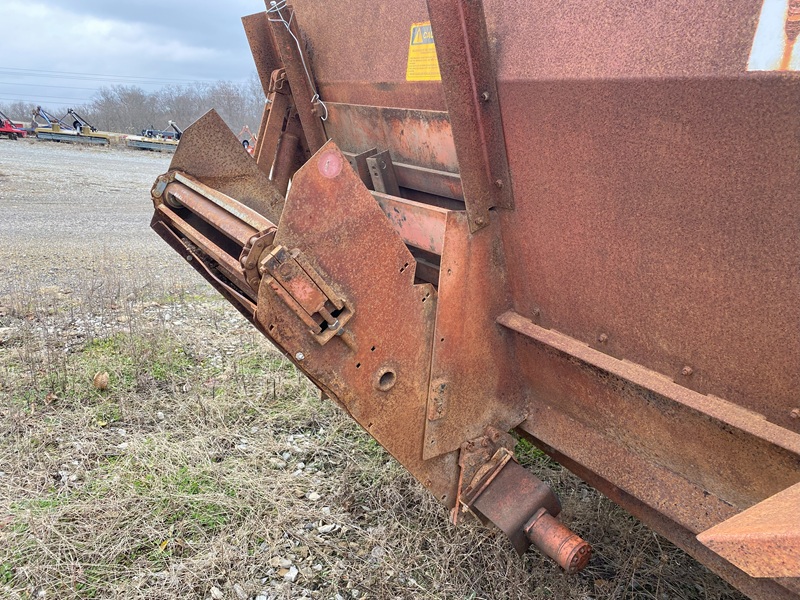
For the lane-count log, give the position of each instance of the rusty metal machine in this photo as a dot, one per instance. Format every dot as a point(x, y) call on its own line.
point(577, 221)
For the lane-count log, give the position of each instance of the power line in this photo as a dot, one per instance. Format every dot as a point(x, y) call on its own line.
point(95, 76)
point(59, 98)
point(108, 81)
point(62, 87)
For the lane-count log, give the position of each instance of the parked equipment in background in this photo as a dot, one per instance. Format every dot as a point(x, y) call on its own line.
point(60, 130)
point(9, 129)
point(160, 140)
point(550, 219)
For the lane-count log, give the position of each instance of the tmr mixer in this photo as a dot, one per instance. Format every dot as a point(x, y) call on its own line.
point(577, 222)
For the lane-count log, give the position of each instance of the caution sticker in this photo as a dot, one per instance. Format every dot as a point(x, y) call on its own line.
point(775, 45)
point(422, 62)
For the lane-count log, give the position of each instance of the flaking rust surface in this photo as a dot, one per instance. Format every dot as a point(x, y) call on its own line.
point(343, 233)
point(210, 152)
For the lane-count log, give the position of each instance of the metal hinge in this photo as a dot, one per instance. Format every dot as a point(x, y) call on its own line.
point(298, 284)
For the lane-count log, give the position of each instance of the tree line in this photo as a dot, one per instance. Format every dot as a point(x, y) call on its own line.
point(130, 109)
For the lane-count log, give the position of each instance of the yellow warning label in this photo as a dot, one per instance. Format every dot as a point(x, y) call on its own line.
point(422, 62)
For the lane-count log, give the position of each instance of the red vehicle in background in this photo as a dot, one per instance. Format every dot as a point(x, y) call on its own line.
point(9, 129)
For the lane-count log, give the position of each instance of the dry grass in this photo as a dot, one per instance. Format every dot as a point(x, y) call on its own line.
point(211, 465)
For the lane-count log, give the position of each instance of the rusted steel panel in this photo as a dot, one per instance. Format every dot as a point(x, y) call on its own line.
point(652, 231)
point(472, 357)
point(262, 45)
point(757, 589)
point(368, 68)
point(421, 138)
point(722, 450)
point(210, 152)
point(621, 39)
point(420, 225)
point(719, 409)
point(423, 95)
point(439, 183)
point(468, 78)
point(382, 380)
point(763, 541)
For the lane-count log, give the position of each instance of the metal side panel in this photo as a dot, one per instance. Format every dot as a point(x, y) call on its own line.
point(379, 369)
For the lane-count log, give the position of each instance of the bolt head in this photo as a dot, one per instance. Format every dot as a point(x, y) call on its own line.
point(686, 371)
point(299, 356)
point(795, 413)
point(602, 338)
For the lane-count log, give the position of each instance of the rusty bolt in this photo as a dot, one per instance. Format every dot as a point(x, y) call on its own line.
point(479, 221)
point(795, 413)
point(188, 258)
point(602, 338)
point(686, 371)
point(498, 183)
point(485, 96)
point(299, 356)
point(536, 312)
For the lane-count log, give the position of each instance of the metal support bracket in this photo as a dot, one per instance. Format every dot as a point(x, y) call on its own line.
point(381, 170)
point(470, 88)
point(360, 166)
point(298, 284)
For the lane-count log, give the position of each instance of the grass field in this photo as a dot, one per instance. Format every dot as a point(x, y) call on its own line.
point(209, 467)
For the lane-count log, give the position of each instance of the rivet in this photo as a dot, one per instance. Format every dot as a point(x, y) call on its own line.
point(485, 96)
point(602, 338)
point(498, 183)
point(479, 221)
point(299, 356)
point(188, 258)
point(686, 371)
point(795, 413)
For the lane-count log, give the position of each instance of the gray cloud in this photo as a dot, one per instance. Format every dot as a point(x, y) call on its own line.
point(176, 40)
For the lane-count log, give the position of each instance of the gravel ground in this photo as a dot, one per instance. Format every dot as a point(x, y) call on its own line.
point(209, 467)
point(67, 211)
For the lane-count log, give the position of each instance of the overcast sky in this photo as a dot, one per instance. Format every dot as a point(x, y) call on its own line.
point(86, 44)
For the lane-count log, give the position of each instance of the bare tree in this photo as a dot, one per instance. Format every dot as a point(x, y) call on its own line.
point(130, 109)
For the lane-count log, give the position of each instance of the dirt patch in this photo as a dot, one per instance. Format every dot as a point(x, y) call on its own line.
point(209, 467)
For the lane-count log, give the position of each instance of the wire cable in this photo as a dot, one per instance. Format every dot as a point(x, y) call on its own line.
point(275, 8)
